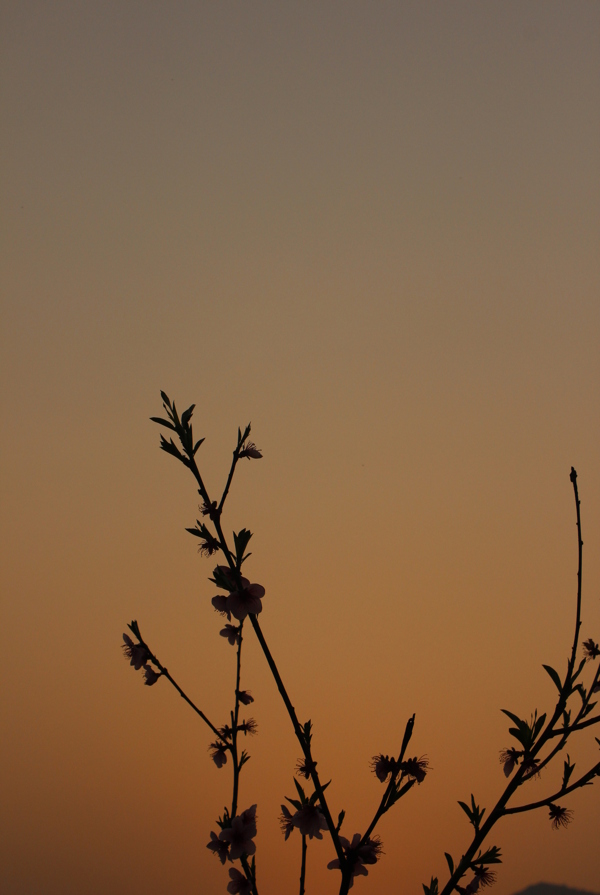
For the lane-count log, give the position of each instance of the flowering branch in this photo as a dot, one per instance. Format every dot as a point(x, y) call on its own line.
point(183, 429)
point(532, 737)
point(241, 599)
point(393, 792)
point(585, 780)
point(130, 649)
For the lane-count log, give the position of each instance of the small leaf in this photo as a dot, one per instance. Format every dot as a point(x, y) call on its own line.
point(408, 731)
point(170, 448)
point(432, 888)
point(512, 717)
point(241, 542)
point(194, 531)
point(307, 731)
point(161, 422)
point(554, 675)
point(197, 445)
point(491, 856)
point(187, 415)
point(222, 579)
point(538, 725)
point(340, 821)
point(450, 862)
point(300, 791)
point(567, 771)
point(466, 809)
point(315, 794)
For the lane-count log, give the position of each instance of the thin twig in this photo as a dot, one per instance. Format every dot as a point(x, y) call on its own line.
point(303, 865)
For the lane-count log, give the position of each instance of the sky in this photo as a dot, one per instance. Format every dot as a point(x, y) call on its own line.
point(372, 230)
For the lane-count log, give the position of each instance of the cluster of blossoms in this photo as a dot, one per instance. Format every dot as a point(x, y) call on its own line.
point(219, 749)
point(236, 840)
point(382, 766)
point(358, 855)
point(233, 843)
point(139, 656)
point(240, 601)
point(311, 815)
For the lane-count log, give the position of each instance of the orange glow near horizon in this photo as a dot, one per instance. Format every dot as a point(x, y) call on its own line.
point(372, 231)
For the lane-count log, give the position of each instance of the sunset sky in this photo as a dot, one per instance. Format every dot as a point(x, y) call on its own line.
point(371, 229)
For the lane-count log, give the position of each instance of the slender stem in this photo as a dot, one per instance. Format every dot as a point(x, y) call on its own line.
point(573, 478)
point(234, 726)
point(583, 781)
point(303, 865)
point(249, 875)
point(301, 739)
point(229, 477)
point(578, 726)
point(164, 672)
point(189, 701)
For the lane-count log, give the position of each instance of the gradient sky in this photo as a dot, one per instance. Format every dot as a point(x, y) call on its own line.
point(372, 229)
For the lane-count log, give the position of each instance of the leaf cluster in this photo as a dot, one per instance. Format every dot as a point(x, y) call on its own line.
point(183, 429)
point(526, 733)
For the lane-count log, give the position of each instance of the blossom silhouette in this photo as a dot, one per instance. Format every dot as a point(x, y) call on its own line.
point(239, 885)
point(245, 697)
point(248, 727)
point(218, 848)
point(286, 821)
point(137, 653)
point(560, 817)
point(247, 600)
point(371, 851)
point(484, 876)
point(310, 821)
point(382, 765)
point(591, 650)
point(232, 633)
point(218, 753)
point(530, 765)
point(305, 767)
point(210, 510)
point(240, 834)
point(415, 767)
point(352, 853)
point(220, 604)
point(209, 545)
point(251, 452)
point(509, 758)
point(150, 675)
